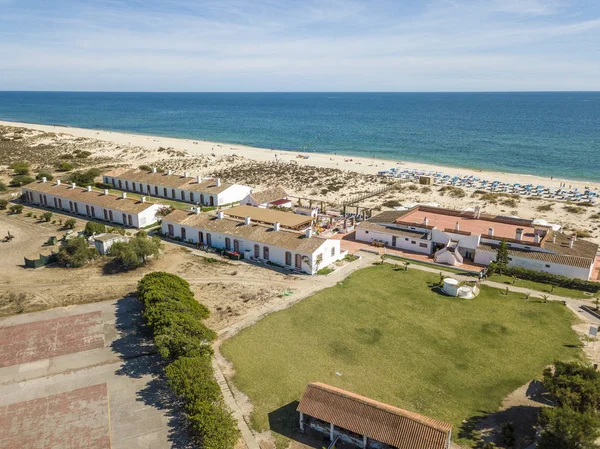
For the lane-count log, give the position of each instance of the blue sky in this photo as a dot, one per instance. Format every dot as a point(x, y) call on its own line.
point(288, 45)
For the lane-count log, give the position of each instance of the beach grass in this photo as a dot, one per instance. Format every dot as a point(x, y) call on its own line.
point(390, 335)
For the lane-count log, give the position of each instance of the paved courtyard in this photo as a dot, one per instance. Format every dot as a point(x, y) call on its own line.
point(84, 377)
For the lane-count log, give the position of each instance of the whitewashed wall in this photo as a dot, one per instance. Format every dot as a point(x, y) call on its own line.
point(402, 242)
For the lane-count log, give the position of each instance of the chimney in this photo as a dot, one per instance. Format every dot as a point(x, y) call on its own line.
point(73, 185)
point(519, 235)
point(491, 232)
point(572, 241)
point(169, 172)
point(44, 179)
point(426, 221)
point(553, 238)
point(477, 212)
point(457, 226)
point(143, 199)
point(106, 191)
point(536, 238)
point(218, 181)
point(185, 174)
point(198, 179)
point(247, 220)
point(124, 195)
point(575, 236)
point(89, 188)
point(58, 182)
point(276, 226)
point(308, 233)
point(153, 169)
point(197, 210)
point(220, 215)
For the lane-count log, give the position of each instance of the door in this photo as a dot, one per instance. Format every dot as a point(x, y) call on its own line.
point(266, 252)
point(236, 246)
point(394, 241)
point(227, 243)
point(288, 258)
point(171, 230)
point(256, 252)
point(298, 261)
point(212, 201)
point(183, 234)
point(200, 237)
point(208, 239)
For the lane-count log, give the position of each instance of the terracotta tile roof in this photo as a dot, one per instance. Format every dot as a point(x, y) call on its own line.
point(382, 422)
point(283, 238)
point(269, 195)
point(269, 216)
point(174, 181)
point(94, 197)
point(561, 259)
point(581, 248)
point(367, 225)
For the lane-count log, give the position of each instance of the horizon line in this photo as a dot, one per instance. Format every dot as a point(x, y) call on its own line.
point(303, 92)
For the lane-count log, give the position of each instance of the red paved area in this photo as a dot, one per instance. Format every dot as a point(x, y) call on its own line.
point(76, 419)
point(50, 338)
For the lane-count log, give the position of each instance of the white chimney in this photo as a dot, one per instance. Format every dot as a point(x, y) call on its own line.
point(536, 238)
point(197, 210)
point(73, 185)
point(247, 220)
point(276, 226)
point(169, 172)
point(106, 191)
point(143, 199)
point(491, 232)
point(185, 174)
point(89, 188)
point(153, 169)
point(426, 221)
point(553, 238)
point(220, 215)
point(519, 234)
point(124, 195)
point(198, 179)
point(58, 182)
point(477, 212)
point(44, 179)
point(308, 233)
point(218, 181)
point(457, 226)
point(572, 241)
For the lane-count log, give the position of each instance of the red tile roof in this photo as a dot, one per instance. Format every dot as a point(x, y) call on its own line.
point(382, 422)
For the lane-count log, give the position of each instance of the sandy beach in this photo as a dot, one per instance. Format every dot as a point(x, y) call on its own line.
point(322, 177)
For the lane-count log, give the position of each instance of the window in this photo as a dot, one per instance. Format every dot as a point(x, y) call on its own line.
point(298, 261)
point(164, 191)
point(93, 211)
point(212, 201)
point(183, 234)
point(173, 193)
point(87, 210)
point(124, 219)
point(547, 266)
point(105, 215)
point(130, 219)
point(208, 239)
point(71, 205)
point(256, 252)
point(413, 243)
point(120, 184)
point(510, 258)
point(191, 197)
point(59, 203)
point(201, 198)
point(76, 208)
point(171, 230)
point(200, 237)
point(528, 247)
point(133, 186)
point(126, 185)
point(423, 245)
point(406, 239)
point(333, 251)
point(148, 189)
point(394, 241)
point(227, 243)
point(236, 246)
point(288, 258)
point(55, 203)
point(155, 190)
point(110, 215)
point(182, 195)
point(366, 232)
point(266, 252)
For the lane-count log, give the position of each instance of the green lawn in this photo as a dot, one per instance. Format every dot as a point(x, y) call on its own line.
point(543, 288)
point(393, 338)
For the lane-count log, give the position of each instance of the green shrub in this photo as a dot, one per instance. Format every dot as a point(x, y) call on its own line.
point(2, 187)
point(546, 278)
point(20, 168)
point(583, 234)
point(46, 216)
point(92, 228)
point(137, 251)
point(76, 253)
point(392, 203)
point(43, 174)
point(103, 185)
point(3, 204)
point(84, 178)
point(324, 271)
point(70, 223)
point(21, 180)
point(16, 209)
point(145, 168)
point(65, 166)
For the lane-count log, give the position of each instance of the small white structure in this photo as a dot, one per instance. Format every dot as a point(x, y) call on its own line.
point(453, 288)
point(103, 242)
point(274, 197)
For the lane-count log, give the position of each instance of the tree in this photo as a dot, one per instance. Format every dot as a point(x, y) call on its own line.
point(76, 253)
point(84, 178)
point(92, 228)
point(70, 223)
point(574, 385)
point(545, 298)
point(502, 256)
point(16, 209)
point(46, 216)
point(64, 166)
point(44, 174)
point(565, 428)
point(21, 180)
point(20, 168)
point(137, 251)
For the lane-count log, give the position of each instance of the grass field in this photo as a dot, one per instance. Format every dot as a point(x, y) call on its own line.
point(395, 339)
point(543, 288)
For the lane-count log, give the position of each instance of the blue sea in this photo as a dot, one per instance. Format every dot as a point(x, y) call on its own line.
point(547, 134)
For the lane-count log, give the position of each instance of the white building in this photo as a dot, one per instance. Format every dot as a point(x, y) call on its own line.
point(453, 237)
point(103, 242)
point(274, 197)
point(299, 251)
point(207, 192)
point(92, 203)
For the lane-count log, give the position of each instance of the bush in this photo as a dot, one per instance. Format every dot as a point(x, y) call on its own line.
point(574, 385)
point(92, 228)
point(546, 278)
point(16, 209)
point(21, 180)
point(145, 168)
point(44, 174)
point(20, 168)
point(392, 203)
point(82, 154)
point(2, 187)
point(545, 207)
point(84, 178)
point(3, 204)
point(46, 216)
point(76, 253)
point(103, 185)
point(135, 253)
point(175, 318)
point(574, 209)
point(70, 223)
point(566, 428)
point(65, 166)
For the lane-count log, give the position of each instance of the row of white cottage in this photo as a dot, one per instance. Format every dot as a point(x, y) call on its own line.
point(298, 251)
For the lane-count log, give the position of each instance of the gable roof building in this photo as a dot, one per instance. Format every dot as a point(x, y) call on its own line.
point(345, 413)
point(275, 196)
